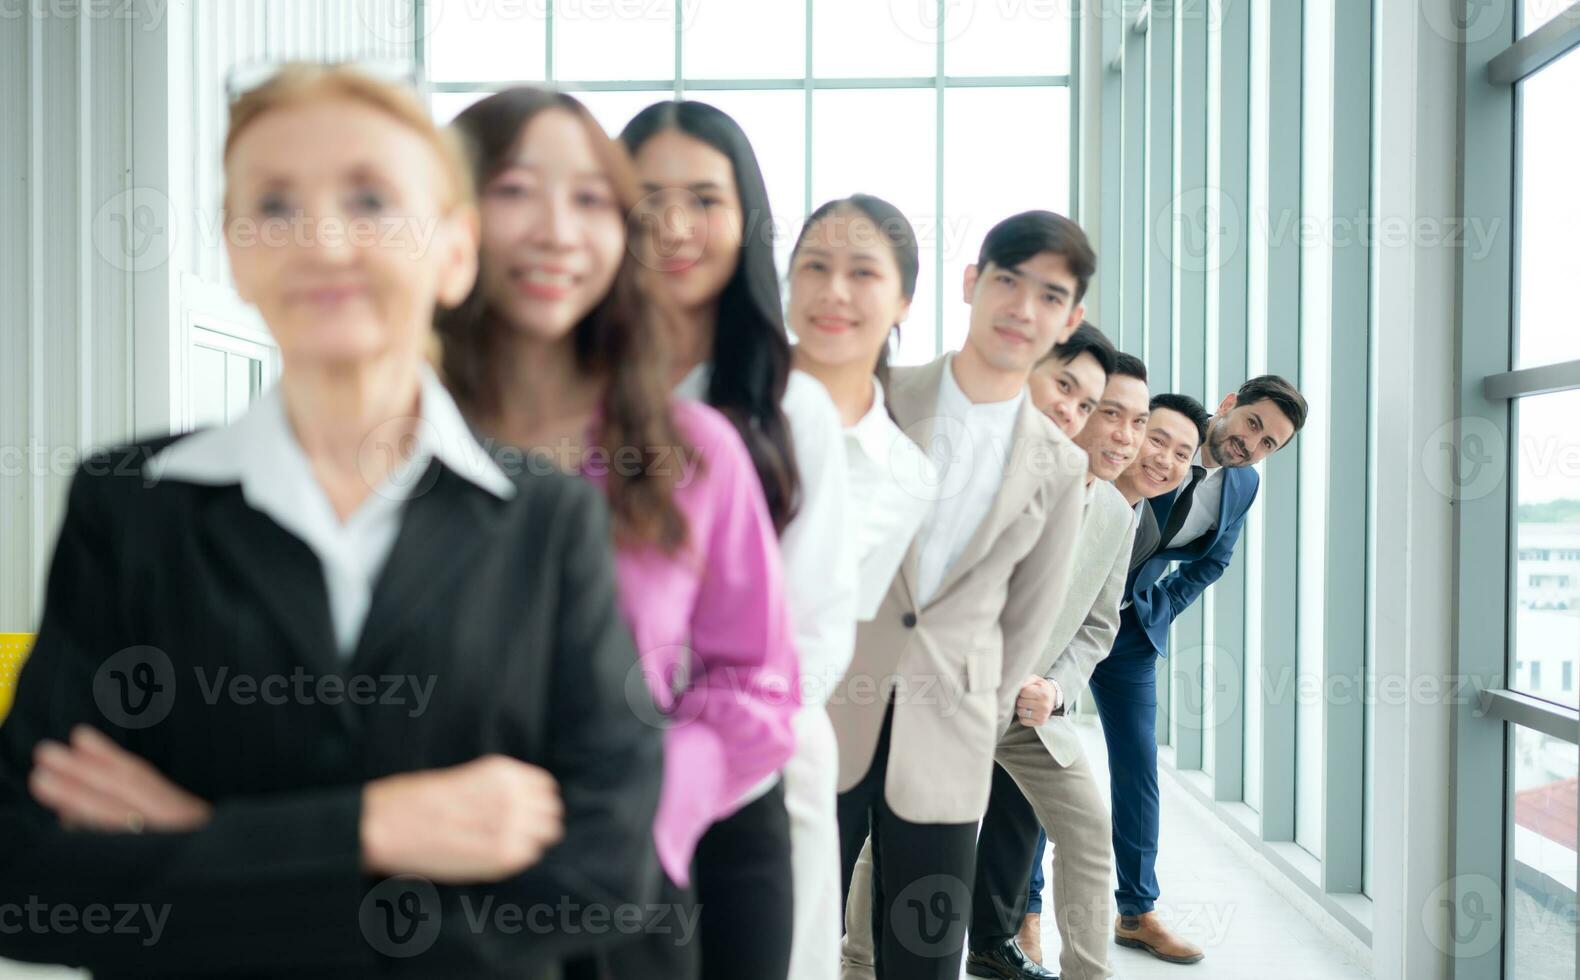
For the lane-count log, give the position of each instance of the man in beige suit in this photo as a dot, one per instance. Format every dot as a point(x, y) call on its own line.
point(937, 672)
point(1046, 760)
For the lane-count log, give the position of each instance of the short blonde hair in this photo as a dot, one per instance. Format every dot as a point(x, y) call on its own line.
point(303, 82)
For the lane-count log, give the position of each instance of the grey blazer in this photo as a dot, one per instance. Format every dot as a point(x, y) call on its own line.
point(955, 665)
point(1088, 621)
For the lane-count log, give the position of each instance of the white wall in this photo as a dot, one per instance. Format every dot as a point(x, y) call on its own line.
point(109, 257)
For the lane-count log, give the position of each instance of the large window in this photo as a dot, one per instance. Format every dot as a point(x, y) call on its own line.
point(1544, 594)
point(1520, 462)
point(959, 113)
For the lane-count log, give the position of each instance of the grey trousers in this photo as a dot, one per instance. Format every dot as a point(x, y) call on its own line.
point(1074, 811)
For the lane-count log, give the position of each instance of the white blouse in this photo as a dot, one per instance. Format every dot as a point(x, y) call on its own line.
point(260, 453)
point(819, 558)
point(892, 487)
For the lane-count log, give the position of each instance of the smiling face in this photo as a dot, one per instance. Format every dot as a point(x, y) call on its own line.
point(691, 217)
point(845, 291)
point(1165, 456)
point(553, 233)
point(1018, 314)
point(1068, 391)
point(339, 229)
point(1113, 435)
point(1243, 435)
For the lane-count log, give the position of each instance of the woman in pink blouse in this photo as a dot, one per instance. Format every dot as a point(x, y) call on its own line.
point(559, 349)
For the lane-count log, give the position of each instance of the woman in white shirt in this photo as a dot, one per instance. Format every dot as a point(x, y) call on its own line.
point(710, 236)
point(852, 277)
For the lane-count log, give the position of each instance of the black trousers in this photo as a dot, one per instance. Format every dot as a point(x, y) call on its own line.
point(735, 919)
point(1004, 855)
point(921, 875)
point(742, 877)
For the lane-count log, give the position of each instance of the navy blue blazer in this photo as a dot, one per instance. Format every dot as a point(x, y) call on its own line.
point(1158, 599)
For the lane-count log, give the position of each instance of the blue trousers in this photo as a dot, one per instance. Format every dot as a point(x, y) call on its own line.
point(1125, 687)
point(1034, 897)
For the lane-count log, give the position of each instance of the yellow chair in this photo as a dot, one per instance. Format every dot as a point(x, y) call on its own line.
point(13, 650)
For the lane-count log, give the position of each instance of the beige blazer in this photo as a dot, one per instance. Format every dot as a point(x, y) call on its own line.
point(956, 665)
point(1087, 623)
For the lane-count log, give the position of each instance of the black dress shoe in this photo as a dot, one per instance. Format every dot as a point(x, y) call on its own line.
point(1007, 962)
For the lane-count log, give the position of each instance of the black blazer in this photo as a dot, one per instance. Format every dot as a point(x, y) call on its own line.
point(167, 602)
point(1148, 537)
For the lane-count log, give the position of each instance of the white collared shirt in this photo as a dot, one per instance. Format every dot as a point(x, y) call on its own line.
point(892, 485)
point(970, 447)
point(1203, 506)
point(261, 453)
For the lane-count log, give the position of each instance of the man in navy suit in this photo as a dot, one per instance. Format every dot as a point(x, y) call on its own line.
point(1199, 524)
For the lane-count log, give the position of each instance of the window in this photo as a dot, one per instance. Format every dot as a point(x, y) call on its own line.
point(1517, 316)
point(873, 117)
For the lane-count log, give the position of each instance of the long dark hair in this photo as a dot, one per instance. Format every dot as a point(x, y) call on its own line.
point(621, 340)
point(751, 351)
point(896, 231)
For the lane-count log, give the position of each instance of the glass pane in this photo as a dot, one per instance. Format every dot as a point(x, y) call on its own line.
point(1535, 13)
point(207, 387)
point(983, 185)
point(1549, 214)
point(990, 37)
point(744, 39)
point(485, 41)
point(874, 39)
point(1541, 873)
point(601, 40)
point(1316, 321)
point(241, 373)
point(445, 106)
point(775, 122)
point(614, 109)
point(882, 142)
point(1547, 557)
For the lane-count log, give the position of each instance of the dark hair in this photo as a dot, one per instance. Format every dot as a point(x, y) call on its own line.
point(751, 352)
point(1271, 387)
point(1019, 237)
point(1186, 406)
point(620, 340)
point(896, 231)
point(1086, 339)
point(1130, 366)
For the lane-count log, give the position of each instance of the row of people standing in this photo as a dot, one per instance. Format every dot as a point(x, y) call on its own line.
point(674, 725)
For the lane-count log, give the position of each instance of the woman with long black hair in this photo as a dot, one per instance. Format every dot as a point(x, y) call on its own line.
point(709, 234)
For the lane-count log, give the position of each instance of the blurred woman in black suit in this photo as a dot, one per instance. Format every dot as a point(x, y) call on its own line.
point(285, 661)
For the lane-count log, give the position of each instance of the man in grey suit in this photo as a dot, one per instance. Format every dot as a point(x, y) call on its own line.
point(937, 671)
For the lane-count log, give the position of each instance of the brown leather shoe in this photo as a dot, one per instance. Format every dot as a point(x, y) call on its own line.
point(1030, 936)
point(1146, 932)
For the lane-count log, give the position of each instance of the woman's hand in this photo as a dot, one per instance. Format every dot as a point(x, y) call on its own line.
point(95, 784)
point(481, 821)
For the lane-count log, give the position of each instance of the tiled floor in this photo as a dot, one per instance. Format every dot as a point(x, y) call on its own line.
point(1217, 899)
